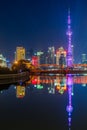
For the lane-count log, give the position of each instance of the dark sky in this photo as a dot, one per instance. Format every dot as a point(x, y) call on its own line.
point(41, 23)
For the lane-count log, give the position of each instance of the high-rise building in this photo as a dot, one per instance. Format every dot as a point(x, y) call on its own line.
point(84, 60)
point(3, 62)
point(20, 53)
point(61, 57)
point(39, 54)
point(51, 55)
point(35, 60)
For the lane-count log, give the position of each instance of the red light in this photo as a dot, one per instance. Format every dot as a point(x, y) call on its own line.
point(34, 81)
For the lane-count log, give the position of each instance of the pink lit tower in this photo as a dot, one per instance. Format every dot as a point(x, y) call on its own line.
point(69, 34)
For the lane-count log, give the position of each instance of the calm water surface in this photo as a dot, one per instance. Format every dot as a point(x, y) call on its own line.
point(41, 104)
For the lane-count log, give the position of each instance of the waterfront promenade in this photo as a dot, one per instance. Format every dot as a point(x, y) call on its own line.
point(14, 78)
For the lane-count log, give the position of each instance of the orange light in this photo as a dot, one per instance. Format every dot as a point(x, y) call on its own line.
point(16, 62)
point(58, 87)
point(65, 88)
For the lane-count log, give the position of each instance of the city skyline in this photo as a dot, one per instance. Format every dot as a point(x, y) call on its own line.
point(42, 24)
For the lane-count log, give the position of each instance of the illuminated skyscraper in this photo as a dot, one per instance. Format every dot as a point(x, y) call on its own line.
point(84, 58)
point(51, 55)
point(3, 61)
point(69, 33)
point(20, 53)
point(39, 53)
point(61, 57)
point(35, 60)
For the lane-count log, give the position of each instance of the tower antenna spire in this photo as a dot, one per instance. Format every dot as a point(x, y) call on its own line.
point(69, 20)
point(69, 34)
point(68, 10)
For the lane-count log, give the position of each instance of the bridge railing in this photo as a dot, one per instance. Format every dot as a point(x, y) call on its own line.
point(58, 66)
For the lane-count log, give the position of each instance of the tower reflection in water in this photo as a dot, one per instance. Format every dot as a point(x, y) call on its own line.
point(52, 84)
point(55, 84)
point(69, 107)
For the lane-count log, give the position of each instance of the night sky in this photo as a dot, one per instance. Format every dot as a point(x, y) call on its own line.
point(39, 24)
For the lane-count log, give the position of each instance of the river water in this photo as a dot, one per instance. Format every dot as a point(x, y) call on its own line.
point(45, 103)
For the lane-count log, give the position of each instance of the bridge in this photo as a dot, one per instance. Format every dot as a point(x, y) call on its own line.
point(56, 69)
point(60, 71)
point(58, 66)
point(53, 68)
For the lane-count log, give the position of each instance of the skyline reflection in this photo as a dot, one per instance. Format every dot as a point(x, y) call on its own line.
point(52, 84)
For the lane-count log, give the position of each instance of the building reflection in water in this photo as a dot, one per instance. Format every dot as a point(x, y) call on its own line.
point(55, 83)
point(60, 84)
point(36, 82)
point(20, 90)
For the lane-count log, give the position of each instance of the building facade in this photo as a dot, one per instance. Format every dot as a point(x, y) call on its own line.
point(50, 59)
point(61, 57)
point(3, 62)
point(20, 53)
point(35, 60)
point(84, 60)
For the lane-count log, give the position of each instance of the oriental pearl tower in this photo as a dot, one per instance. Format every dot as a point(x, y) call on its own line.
point(69, 34)
point(69, 107)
